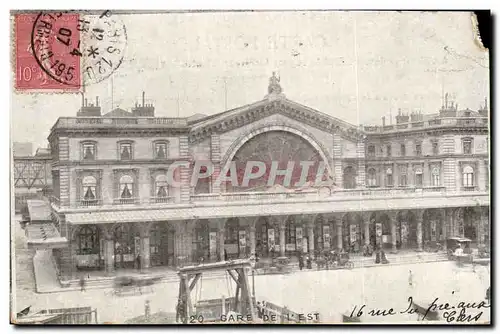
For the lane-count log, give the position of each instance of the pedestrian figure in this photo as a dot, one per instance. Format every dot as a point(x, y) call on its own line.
point(410, 278)
point(82, 283)
point(301, 261)
point(138, 262)
point(377, 256)
point(309, 262)
point(225, 255)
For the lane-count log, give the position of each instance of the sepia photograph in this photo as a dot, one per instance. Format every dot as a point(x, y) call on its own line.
point(312, 167)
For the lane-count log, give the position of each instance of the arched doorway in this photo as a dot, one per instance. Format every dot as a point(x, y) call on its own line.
point(88, 249)
point(126, 246)
point(161, 244)
point(201, 241)
point(349, 178)
point(471, 220)
point(280, 148)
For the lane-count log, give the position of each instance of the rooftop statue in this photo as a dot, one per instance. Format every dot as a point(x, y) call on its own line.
point(274, 85)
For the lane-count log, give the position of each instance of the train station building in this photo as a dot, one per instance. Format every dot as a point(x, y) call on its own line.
point(401, 186)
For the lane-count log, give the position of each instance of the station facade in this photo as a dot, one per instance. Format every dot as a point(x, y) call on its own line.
point(407, 185)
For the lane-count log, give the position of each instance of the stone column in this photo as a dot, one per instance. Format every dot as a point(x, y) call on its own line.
point(221, 238)
point(420, 218)
point(337, 159)
point(366, 222)
point(252, 238)
point(360, 154)
point(483, 216)
point(109, 251)
point(282, 227)
point(215, 157)
point(427, 175)
point(444, 229)
point(145, 249)
point(339, 234)
point(392, 216)
point(310, 237)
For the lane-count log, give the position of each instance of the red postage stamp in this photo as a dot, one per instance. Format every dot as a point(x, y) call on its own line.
point(43, 58)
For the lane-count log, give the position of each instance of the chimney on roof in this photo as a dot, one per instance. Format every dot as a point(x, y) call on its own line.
point(144, 109)
point(383, 120)
point(402, 118)
point(89, 109)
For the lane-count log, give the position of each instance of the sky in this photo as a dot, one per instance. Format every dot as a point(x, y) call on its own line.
point(356, 66)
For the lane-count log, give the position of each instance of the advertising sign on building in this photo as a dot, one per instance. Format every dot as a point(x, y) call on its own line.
point(404, 232)
point(242, 237)
point(212, 245)
point(271, 242)
point(378, 229)
point(298, 237)
point(352, 233)
point(433, 230)
point(326, 237)
point(137, 246)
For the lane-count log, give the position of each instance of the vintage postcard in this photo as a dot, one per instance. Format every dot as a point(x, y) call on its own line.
point(249, 167)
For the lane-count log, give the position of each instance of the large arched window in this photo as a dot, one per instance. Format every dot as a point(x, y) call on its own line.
point(161, 188)
point(126, 188)
point(89, 186)
point(372, 177)
point(436, 177)
point(468, 176)
point(88, 240)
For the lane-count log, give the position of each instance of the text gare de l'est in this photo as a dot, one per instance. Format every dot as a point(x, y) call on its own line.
point(304, 171)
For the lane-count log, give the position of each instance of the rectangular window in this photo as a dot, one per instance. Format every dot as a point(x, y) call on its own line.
point(389, 150)
point(418, 149)
point(435, 148)
point(371, 151)
point(160, 150)
point(389, 180)
point(418, 180)
point(403, 150)
point(125, 151)
point(467, 146)
point(403, 181)
point(88, 151)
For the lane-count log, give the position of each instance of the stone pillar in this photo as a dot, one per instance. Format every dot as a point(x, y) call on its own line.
point(310, 237)
point(183, 242)
point(282, 228)
point(109, 249)
point(483, 216)
point(339, 234)
point(337, 159)
point(215, 157)
point(427, 174)
point(360, 154)
point(392, 216)
point(252, 238)
point(444, 228)
point(184, 172)
point(366, 224)
point(221, 238)
point(420, 218)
